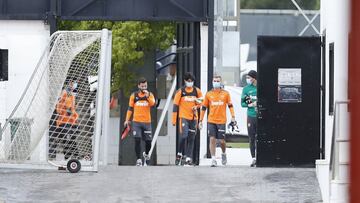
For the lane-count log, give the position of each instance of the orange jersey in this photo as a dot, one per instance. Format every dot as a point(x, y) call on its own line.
point(216, 101)
point(184, 102)
point(66, 110)
point(140, 107)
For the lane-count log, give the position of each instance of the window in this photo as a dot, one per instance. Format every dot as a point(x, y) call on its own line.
point(229, 8)
point(3, 65)
point(331, 78)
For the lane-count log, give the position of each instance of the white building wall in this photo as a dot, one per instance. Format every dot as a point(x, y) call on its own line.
point(335, 23)
point(25, 42)
point(337, 30)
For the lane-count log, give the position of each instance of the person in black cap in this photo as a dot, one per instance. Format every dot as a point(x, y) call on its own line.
point(248, 100)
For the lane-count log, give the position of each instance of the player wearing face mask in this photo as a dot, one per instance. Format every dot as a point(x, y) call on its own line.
point(187, 101)
point(216, 101)
point(66, 106)
point(140, 104)
point(66, 124)
point(249, 101)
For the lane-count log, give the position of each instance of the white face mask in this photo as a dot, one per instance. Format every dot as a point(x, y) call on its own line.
point(75, 85)
point(216, 85)
point(248, 81)
point(189, 84)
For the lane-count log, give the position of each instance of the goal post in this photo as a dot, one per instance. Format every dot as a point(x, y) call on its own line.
point(60, 115)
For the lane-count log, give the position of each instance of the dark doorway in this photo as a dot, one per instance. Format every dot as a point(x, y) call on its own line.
point(188, 60)
point(288, 100)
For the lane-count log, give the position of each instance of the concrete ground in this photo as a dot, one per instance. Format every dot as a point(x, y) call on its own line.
point(162, 184)
point(235, 157)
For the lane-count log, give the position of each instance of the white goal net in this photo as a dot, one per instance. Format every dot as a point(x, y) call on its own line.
point(60, 111)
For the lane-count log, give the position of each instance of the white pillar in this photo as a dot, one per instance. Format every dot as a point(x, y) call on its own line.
point(336, 23)
point(204, 85)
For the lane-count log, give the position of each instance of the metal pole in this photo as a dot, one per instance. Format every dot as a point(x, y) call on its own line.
point(238, 11)
point(162, 117)
point(210, 55)
point(100, 95)
point(219, 35)
point(306, 18)
point(52, 16)
point(106, 106)
point(211, 44)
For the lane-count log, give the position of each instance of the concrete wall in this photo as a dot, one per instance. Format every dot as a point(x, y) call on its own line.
point(26, 41)
point(113, 137)
point(166, 143)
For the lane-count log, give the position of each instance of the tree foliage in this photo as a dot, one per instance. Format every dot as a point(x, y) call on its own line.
point(131, 39)
point(279, 4)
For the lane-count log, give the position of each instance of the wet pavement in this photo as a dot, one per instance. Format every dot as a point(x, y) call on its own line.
point(162, 184)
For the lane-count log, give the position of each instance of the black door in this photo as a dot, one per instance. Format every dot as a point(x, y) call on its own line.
point(288, 100)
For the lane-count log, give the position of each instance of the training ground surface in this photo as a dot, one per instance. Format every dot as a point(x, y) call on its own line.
point(162, 184)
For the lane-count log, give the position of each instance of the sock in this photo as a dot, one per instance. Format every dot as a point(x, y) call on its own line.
point(213, 158)
point(147, 147)
point(137, 148)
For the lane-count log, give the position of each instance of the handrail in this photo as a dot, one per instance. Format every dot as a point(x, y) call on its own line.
point(334, 154)
point(166, 65)
point(162, 117)
point(165, 56)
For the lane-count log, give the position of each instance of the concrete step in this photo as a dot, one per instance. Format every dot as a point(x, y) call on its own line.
point(343, 172)
point(339, 191)
point(344, 148)
point(323, 175)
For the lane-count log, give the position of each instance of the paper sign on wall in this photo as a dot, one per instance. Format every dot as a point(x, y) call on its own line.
point(289, 85)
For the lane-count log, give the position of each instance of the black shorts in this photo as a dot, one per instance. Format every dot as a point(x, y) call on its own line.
point(216, 130)
point(188, 127)
point(142, 130)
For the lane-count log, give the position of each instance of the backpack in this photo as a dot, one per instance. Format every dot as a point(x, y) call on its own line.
point(138, 98)
point(193, 93)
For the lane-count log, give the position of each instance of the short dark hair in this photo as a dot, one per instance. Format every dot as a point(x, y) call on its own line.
point(217, 76)
point(141, 80)
point(188, 76)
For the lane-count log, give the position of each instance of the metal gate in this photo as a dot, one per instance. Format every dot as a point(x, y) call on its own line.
point(288, 100)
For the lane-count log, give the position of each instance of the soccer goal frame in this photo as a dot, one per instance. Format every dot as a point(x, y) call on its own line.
point(33, 134)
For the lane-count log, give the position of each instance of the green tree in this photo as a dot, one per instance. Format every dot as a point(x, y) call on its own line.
point(131, 39)
point(279, 4)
